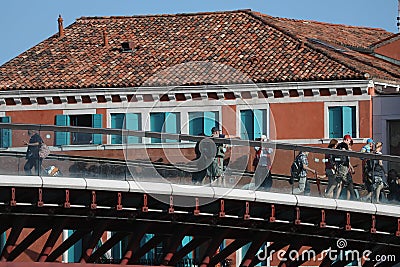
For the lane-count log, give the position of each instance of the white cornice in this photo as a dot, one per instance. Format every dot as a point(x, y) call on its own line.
point(252, 90)
point(187, 89)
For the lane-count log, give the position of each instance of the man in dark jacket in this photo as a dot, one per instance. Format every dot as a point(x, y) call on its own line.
point(32, 153)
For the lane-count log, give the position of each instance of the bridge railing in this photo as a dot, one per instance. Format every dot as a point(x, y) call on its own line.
point(100, 153)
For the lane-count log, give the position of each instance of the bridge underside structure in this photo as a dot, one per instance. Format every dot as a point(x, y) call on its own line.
point(209, 215)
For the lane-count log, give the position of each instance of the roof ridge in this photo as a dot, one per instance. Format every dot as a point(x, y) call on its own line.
point(202, 13)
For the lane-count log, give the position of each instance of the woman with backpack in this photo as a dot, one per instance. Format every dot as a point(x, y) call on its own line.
point(302, 161)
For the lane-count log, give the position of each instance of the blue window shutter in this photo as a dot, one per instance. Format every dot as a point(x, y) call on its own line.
point(97, 122)
point(171, 124)
point(210, 120)
point(335, 122)
point(244, 249)
point(74, 252)
point(259, 123)
point(71, 249)
point(78, 251)
point(149, 256)
point(196, 123)
point(63, 138)
point(116, 251)
point(247, 125)
point(156, 125)
point(117, 122)
point(133, 122)
point(185, 241)
point(347, 121)
point(3, 239)
point(6, 133)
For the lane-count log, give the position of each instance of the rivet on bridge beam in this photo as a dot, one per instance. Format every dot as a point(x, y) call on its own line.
point(373, 225)
point(322, 224)
point(119, 201)
point(348, 223)
point(145, 208)
point(222, 209)
point(197, 210)
point(40, 198)
point(297, 221)
point(13, 202)
point(67, 204)
point(247, 213)
point(171, 205)
point(93, 205)
point(272, 218)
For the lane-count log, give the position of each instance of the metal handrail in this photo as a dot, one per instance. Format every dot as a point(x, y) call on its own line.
point(196, 138)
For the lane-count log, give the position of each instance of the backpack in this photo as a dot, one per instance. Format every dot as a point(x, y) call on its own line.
point(372, 168)
point(295, 169)
point(44, 151)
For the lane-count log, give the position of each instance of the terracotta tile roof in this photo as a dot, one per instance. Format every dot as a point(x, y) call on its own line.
point(233, 47)
point(352, 36)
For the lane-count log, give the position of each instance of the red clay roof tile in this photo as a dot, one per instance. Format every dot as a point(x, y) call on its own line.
point(232, 47)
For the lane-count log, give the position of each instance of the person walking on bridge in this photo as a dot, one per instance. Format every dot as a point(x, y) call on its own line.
point(303, 173)
point(32, 153)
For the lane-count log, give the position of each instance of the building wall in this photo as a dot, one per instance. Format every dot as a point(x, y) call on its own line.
point(386, 109)
point(299, 120)
point(365, 115)
point(35, 117)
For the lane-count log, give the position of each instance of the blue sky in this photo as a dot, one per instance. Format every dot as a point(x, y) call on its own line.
point(25, 23)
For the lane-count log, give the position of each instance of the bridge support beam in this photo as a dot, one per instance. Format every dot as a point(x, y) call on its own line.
point(152, 243)
point(212, 248)
point(134, 243)
point(228, 250)
point(11, 241)
point(94, 239)
point(78, 234)
point(29, 240)
point(117, 237)
point(252, 251)
point(175, 242)
point(51, 241)
point(194, 243)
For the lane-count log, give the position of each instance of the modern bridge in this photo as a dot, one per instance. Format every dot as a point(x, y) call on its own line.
point(181, 224)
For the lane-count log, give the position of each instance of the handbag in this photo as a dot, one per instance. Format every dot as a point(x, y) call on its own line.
point(44, 151)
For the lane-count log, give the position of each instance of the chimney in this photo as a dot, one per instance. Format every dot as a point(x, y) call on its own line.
point(105, 38)
point(60, 27)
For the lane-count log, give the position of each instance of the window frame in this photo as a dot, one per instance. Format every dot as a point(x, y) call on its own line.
point(77, 112)
point(205, 132)
point(164, 126)
point(263, 106)
point(328, 105)
point(124, 113)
